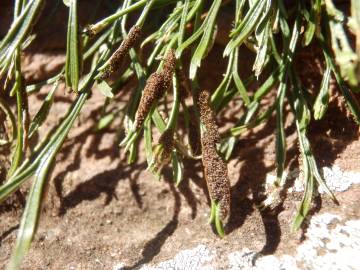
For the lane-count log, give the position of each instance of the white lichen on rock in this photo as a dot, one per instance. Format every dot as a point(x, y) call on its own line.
point(339, 180)
point(198, 258)
point(336, 179)
point(330, 248)
point(250, 260)
point(331, 243)
point(324, 248)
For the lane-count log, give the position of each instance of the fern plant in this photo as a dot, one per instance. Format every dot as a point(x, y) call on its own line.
point(272, 29)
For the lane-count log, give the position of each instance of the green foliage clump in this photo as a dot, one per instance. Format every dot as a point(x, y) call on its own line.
point(272, 29)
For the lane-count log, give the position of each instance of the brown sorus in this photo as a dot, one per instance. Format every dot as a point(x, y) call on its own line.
point(207, 116)
point(167, 141)
point(117, 57)
point(216, 174)
point(156, 86)
point(153, 90)
point(215, 169)
point(89, 31)
point(169, 66)
point(194, 133)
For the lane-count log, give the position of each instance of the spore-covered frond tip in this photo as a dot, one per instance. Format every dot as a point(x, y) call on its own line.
point(215, 169)
point(162, 151)
point(118, 56)
point(156, 86)
point(207, 116)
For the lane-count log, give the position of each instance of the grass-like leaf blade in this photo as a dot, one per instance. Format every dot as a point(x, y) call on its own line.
point(43, 112)
point(207, 39)
point(247, 26)
point(18, 32)
point(73, 54)
point(322, 99)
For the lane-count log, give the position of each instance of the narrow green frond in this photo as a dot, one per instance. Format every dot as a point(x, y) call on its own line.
point(18, 32)
point(73, 49)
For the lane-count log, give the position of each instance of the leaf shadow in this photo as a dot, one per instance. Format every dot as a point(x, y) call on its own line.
point(153, 246)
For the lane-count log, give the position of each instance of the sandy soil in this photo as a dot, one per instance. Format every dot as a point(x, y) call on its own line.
point(101, 211)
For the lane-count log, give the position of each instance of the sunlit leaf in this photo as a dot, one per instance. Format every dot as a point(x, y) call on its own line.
point(18, 32)
point(105, 121)
point(177, 167)
point(43, 112)
point(73, 49)
point(322, 100)
point(247, 25)
point(105, 89)
point(206, 40)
